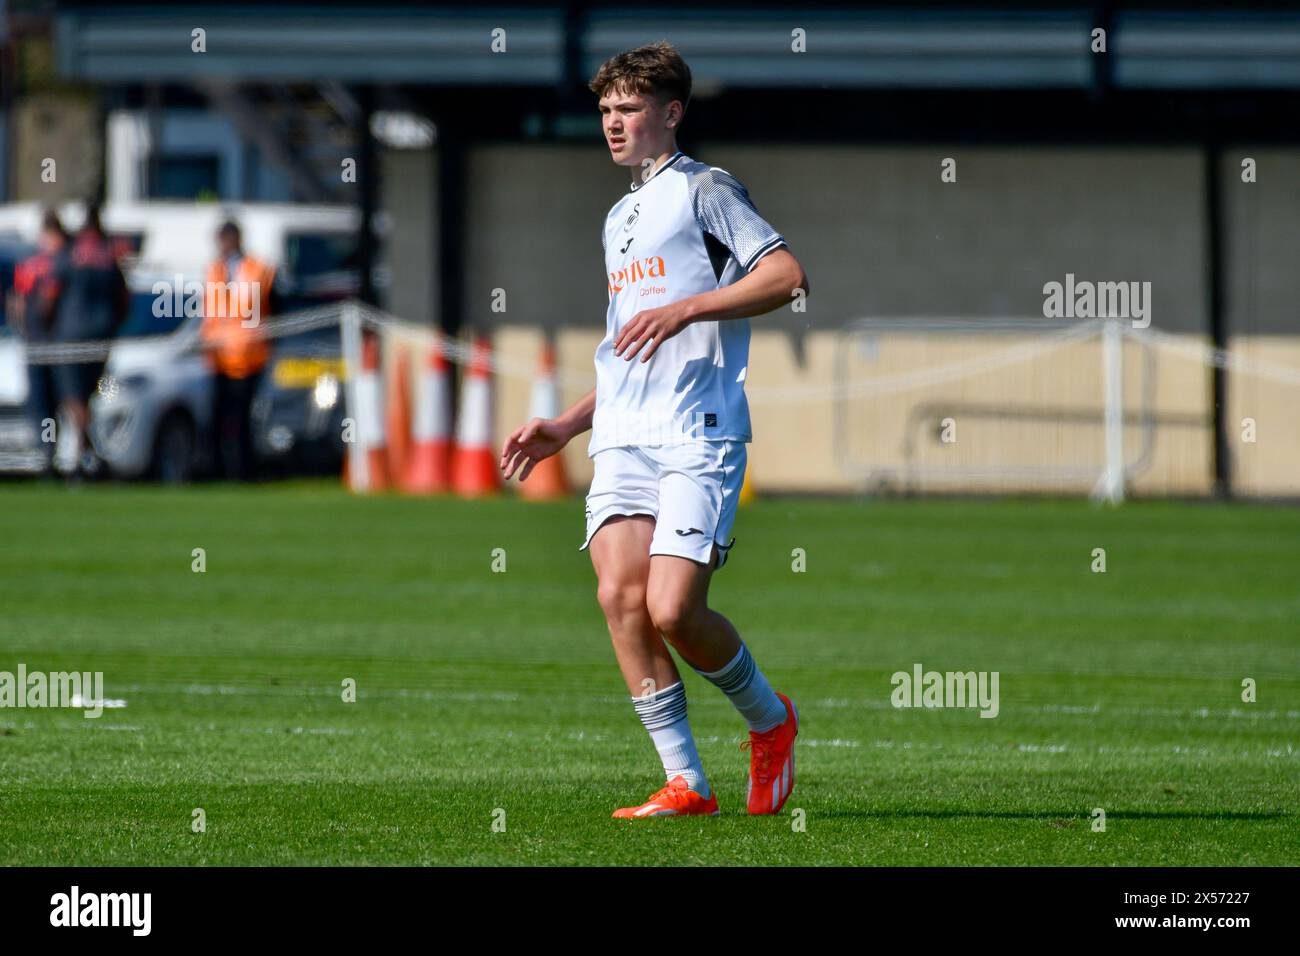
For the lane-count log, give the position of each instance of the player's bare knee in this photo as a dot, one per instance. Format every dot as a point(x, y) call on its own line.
point(621, 598)
point(673, 615)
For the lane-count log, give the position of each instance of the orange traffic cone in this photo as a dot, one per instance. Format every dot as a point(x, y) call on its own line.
point(429, 466)
point(547, 480)
point(369, 415)
point(746, 490)
point(474, 463)
point(398, 416)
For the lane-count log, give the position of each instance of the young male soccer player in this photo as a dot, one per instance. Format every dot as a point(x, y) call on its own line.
point(689, 259)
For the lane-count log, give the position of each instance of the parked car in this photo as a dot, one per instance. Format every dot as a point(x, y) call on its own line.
point(151, 415)
point(298, 411)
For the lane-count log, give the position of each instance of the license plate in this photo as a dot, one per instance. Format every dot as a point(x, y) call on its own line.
point(303, 372)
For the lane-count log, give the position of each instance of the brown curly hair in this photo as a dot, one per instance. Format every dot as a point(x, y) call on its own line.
point(656, 69)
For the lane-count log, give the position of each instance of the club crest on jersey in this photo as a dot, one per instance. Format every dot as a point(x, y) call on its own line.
point(650, 267)
point(631, 219)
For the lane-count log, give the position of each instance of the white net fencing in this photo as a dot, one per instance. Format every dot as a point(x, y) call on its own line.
point(979, 405)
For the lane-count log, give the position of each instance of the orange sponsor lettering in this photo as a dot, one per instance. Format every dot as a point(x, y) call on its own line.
point(635, 271)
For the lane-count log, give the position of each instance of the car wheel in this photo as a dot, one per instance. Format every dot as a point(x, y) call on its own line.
point(173, 456)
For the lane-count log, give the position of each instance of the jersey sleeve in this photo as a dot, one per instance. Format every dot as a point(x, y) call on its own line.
point(723, 210)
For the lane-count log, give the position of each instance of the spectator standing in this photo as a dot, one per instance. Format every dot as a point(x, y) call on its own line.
point(92, 307)
point(36, 284)
point(237, 301)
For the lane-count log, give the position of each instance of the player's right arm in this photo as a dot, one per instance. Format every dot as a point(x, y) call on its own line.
point(542, 437)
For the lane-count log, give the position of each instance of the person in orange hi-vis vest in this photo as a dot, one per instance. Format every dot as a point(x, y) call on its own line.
point(236, 304)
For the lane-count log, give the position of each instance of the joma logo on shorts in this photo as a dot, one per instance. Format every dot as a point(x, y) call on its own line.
point(650, 267)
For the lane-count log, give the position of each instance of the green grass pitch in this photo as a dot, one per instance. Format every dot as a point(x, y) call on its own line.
point(482, 692)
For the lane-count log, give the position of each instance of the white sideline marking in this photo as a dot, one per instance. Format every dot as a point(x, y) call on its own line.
point(836, 742)
point(874, 703)
point(78, 702)
point(1233, 713)
point(205, 690)
point(1070, 709)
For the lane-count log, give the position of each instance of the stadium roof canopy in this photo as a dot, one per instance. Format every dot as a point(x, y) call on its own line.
point(927, 48)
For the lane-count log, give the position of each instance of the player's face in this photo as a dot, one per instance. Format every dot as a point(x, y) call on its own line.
point(635, 126)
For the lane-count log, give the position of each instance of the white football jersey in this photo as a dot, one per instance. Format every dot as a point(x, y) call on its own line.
point(689, 228)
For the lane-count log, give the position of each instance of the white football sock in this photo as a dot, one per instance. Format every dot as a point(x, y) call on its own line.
point(747, 688)
point(664, 716)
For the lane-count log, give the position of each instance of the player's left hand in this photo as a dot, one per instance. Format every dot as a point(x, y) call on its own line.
point(651, 326)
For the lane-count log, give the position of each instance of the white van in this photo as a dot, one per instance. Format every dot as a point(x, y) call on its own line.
point(308, 244)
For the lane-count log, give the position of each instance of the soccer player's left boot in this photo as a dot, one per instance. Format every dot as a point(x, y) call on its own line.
point(676, 799)
point(771, 763)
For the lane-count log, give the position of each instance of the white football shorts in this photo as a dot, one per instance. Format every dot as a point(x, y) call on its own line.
point(691, 489)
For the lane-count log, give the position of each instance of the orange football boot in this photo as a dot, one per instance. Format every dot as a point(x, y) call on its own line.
point(771, 763)
point(676, 799)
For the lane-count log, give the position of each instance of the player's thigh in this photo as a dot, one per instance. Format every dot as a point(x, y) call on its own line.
point(621, 508)
point(620, 555)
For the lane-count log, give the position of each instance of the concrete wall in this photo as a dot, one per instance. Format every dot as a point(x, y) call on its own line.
point(876, 230)
point(535, 215)
point(410, 196)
